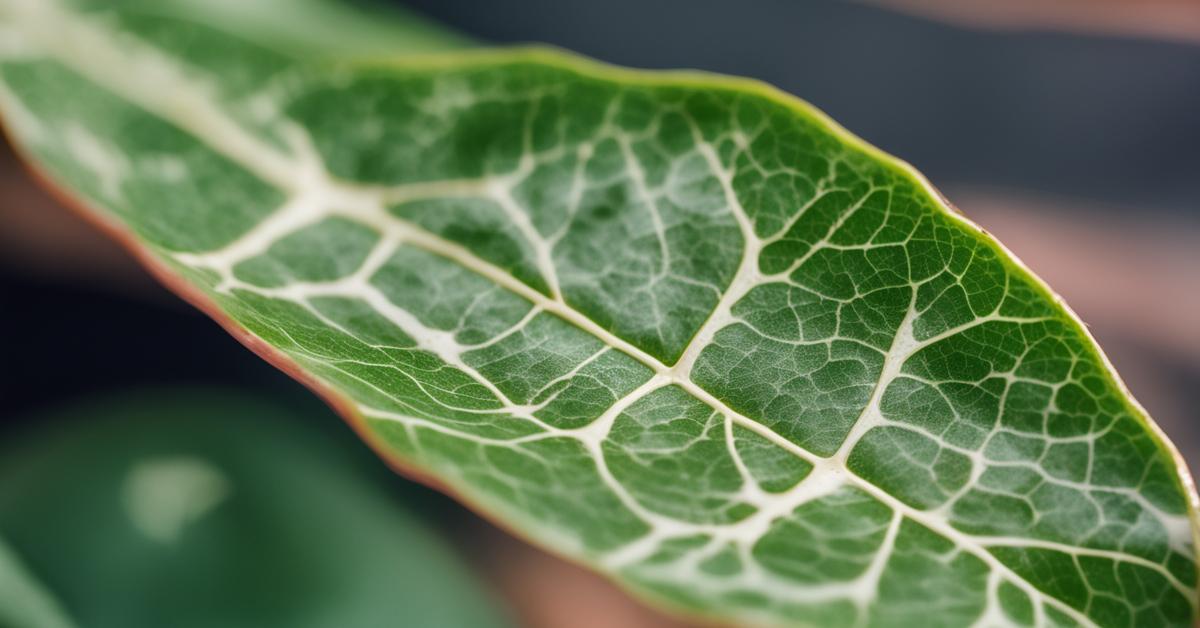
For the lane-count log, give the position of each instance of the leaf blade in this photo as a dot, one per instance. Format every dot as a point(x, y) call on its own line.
point(828, 302)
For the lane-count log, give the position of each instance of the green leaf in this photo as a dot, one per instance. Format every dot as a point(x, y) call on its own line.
point(201, 508)
point(679, 327)
point(24, 601)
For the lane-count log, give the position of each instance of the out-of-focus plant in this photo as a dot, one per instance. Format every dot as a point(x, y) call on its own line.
point(203, 508)
point(679, 327)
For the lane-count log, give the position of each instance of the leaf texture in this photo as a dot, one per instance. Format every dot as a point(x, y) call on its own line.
point(681, 328)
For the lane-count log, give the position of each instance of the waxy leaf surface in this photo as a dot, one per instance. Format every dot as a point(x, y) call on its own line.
point(681, 328)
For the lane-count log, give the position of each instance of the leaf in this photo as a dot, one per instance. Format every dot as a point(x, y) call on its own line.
point(24, 601)
point(679, 327)
point(202, 508)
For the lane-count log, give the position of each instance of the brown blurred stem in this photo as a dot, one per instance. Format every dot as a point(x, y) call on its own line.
point(1177, 20)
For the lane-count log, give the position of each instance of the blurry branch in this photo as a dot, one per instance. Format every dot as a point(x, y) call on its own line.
point(1177, 20)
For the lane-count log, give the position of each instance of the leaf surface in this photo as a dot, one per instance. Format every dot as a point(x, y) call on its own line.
point(679, 327)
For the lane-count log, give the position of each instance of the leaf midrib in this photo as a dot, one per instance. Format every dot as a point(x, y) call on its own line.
point(186, 105)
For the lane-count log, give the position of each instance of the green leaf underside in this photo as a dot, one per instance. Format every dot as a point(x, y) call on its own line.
point(678, 327)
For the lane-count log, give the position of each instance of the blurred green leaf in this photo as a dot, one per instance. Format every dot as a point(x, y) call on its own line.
point(24, 602)
point(201, 509)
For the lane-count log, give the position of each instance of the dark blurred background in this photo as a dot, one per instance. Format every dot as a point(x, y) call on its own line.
point(1070, 129)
